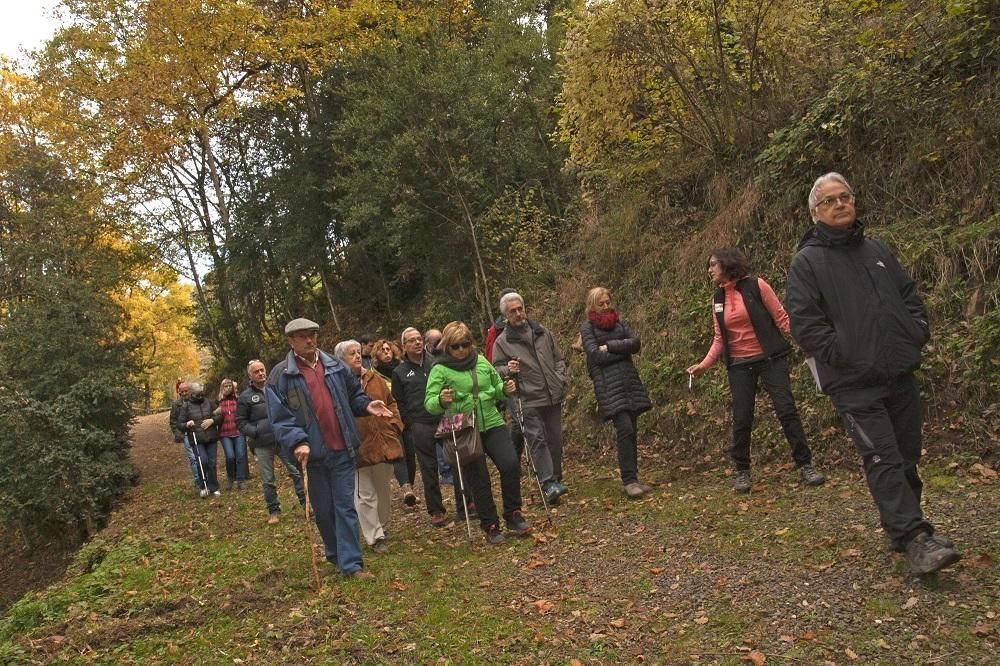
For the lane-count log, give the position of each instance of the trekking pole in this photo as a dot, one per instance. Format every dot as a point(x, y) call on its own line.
point(309, 534)
point(197, 454)
point(531, 461)
point(461, 486)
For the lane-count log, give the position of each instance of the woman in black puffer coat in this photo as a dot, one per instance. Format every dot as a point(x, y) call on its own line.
point(609, 344)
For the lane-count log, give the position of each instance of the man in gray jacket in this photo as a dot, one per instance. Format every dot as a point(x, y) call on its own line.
point(526, 352)
point(251, 419)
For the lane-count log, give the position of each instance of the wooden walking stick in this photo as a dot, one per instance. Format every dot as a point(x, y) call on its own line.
point(312, 546)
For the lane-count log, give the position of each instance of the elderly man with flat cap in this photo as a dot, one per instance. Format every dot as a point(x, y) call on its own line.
point(312, 399)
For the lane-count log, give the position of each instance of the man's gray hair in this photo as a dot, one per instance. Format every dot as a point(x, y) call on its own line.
point(834, 176)
point(196, 387)
point(343, 348)
point(507, 299)
point(408, 329)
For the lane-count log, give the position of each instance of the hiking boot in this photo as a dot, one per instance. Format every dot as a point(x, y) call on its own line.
point(409, 499)
point(229, 485)
point(551, 491)
point(811, 475)
point(273, 518)
point(380, 546)
point(927, 555)
point(634, 490)
point(944, 541)
point(240, 485)
point(439, 520)
point(360, 574)
point(742, 483)
point(470, 510)
point(646, 488)
point(517, 525)
point(561, 488)
point(203, 492)
point(494, 535)
point(217, 493)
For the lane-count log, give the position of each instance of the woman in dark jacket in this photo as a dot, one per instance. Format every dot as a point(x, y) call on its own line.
point(609, 343)
point(749, 322)
point(200, 423)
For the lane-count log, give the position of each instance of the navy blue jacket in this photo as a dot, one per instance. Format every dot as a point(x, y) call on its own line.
point(291, 411)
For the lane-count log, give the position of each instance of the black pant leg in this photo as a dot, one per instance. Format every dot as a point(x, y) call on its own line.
point(868, 421)
point(497, 444)
point(774, 376)
point(906, 414)
point(743, 387)
point(625, 434)
point(422, 436)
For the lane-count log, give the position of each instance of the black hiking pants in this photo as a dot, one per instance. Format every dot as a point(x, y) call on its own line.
point(885, 422)
point(743, 380)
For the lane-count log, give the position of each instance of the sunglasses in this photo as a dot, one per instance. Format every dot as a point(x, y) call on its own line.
point(460, 345)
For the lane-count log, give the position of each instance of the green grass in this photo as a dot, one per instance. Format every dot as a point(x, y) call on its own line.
point(691, 569)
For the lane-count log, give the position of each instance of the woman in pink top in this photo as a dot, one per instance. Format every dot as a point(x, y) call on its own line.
point(234, 444)
point(749, 322)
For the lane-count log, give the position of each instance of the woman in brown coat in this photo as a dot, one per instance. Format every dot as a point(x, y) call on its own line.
point(379, 448)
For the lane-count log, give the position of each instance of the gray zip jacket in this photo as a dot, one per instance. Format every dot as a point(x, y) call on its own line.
point(542, 381)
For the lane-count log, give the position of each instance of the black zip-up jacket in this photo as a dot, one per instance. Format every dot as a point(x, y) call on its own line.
point(175, 427)
point(854, 308)
point(251, 417)
point(409, 383)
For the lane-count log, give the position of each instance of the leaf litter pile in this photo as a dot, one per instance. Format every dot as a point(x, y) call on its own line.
point(691, 573)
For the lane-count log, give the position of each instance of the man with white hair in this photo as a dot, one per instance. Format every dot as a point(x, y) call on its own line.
point(311, 401)
point(527, 352)
point(857, 313)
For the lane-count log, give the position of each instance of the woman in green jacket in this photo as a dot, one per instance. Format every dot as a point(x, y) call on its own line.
point(450, 389)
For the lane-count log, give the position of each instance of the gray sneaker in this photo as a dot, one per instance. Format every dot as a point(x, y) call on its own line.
point(811, 475)
point(927, 554)
point(742, 483)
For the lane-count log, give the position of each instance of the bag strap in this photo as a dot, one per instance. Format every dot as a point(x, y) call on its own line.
point(475, 389)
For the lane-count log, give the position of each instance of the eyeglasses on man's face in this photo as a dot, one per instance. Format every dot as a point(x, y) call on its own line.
point(843, 198)
point(460, 345)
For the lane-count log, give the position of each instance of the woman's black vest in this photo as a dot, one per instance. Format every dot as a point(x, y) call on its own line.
point(770, 338)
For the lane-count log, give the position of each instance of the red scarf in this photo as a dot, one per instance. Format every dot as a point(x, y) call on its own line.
point(606, 321)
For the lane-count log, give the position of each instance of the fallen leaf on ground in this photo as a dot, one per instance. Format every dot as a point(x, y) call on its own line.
point(701, 620)
point(850, 552)
point(656, 571)
point(981, 560)
point(851, 654)
point(618, 623)
point(544, 606)
point(982, 630)
point(910, 603)
point(756, 657)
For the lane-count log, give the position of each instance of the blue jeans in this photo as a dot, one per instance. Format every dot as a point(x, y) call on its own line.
point(265, 465)
point(447, 476)
point(207, 453)
point(331, 492)
point(235, 449)
point(193, 463)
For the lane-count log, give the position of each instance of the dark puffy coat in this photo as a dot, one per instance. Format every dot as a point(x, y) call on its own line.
point(251, 417)
point(854, 308)
point(198, 412)
point(175, 426)
point(617, 385)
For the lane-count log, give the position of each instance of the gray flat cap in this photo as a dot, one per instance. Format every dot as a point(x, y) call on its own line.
point(300, 324)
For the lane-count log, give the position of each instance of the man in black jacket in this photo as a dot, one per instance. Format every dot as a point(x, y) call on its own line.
point(857, 312)
point(251, 419)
